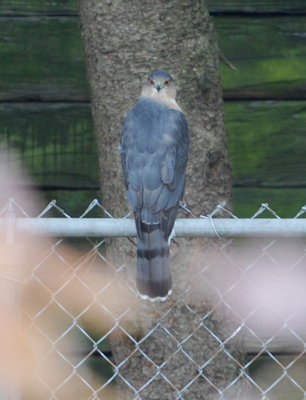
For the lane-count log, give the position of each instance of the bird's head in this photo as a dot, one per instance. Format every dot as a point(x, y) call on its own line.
point(160, 80)
point(160, 87)
point(160, 84)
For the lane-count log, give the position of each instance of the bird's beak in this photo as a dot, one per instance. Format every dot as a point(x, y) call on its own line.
point(158, 86)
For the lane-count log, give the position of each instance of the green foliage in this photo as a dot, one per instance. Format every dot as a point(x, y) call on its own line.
point(256, 5)
point(286, 202)
point(38, 5)
point(74, 202)
point(55, 141)
point(267, 142)
point(263, 50)
point(42, 54)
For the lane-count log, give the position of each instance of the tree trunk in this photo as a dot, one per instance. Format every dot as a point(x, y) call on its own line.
point(177, 350)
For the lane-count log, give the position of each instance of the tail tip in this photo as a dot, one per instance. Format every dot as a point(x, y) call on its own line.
point(151, 290)
point(155, 299)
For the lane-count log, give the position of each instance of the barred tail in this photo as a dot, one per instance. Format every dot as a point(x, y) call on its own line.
point(153, 266)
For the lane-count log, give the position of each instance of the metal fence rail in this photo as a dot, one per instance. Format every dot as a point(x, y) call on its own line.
point(184, 227)
point(271, 267)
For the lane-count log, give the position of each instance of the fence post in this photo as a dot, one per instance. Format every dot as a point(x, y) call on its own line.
point(10, 279)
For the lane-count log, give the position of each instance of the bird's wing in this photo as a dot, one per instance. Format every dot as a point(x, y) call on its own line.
point(154, 147)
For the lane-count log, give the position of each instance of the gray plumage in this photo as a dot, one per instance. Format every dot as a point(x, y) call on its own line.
point(154, 147)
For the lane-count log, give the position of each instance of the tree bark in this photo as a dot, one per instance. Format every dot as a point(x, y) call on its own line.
point(177, 349)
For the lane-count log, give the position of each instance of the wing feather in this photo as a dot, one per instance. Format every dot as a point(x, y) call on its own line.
point(154, 147)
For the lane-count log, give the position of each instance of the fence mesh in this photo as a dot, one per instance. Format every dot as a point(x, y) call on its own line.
point(63, 309)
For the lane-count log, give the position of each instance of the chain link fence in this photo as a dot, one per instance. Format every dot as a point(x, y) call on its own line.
point(60, 304)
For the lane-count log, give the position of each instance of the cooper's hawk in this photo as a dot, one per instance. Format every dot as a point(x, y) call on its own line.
point(154, 146)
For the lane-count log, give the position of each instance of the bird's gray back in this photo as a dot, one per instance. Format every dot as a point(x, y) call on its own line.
point(154, 146)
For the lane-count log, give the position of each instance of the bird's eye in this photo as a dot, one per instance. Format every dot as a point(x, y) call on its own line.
point(167, 83)
point(151, 82)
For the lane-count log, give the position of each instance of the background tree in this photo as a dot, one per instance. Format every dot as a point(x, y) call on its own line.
point(124, 42)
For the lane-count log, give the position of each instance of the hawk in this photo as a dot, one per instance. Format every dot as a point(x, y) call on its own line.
point(154, 147)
